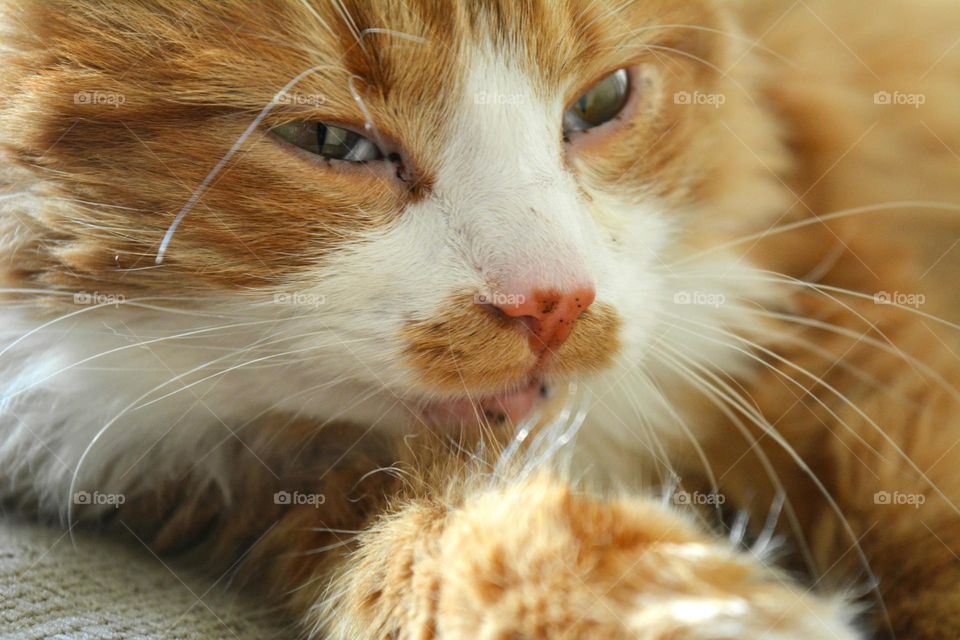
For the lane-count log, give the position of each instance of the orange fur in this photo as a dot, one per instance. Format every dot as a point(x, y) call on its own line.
point(466, 345)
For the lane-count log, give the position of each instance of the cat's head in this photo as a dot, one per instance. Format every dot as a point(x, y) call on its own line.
point(434, 201)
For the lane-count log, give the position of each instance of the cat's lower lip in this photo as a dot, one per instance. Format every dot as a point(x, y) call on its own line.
point(508, 406)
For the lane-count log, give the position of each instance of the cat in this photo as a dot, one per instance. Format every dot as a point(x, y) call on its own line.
point(493, 319)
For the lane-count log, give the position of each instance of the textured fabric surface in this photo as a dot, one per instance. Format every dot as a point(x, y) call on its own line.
point(51, 588)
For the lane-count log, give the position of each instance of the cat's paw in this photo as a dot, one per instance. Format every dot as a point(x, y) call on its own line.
point(536, 561)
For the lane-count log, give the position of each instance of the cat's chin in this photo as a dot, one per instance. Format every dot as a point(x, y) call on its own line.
point(513, 406)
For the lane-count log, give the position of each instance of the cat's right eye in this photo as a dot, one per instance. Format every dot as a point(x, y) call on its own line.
point(601, 103)
point(329, 141)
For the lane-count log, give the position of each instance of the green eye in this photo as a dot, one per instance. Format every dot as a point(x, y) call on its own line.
point(329, 141)
point(600, 104)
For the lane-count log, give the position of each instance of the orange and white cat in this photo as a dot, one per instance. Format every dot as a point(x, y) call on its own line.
point(417, 307)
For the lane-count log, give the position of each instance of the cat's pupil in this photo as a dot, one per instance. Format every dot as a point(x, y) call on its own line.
point(335, 142)
point(329, 141)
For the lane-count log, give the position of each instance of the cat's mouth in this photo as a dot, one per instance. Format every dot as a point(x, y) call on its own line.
point(484, 365)
point(511, 406)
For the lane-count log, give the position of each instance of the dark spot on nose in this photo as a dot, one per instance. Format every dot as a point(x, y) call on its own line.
point(494, 417)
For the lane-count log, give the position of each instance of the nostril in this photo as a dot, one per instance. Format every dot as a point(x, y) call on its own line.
point(530, 323)
point(520, 305)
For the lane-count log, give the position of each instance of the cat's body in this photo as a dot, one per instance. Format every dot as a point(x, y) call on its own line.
point(307, 323)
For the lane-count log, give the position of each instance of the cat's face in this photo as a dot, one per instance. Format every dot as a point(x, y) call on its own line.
point(490, 241)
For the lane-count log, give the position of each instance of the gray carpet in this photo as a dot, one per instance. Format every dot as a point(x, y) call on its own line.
point(50, 588)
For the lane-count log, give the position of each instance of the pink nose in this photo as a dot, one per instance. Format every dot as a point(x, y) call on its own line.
point(548, 314)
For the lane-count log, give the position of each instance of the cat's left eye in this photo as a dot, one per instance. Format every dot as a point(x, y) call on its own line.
point(602, 103)
point(329, 141)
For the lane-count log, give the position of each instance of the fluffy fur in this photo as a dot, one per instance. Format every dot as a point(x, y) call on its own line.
point(197, 316)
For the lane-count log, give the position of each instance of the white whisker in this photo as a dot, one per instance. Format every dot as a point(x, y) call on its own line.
point(819, 219)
